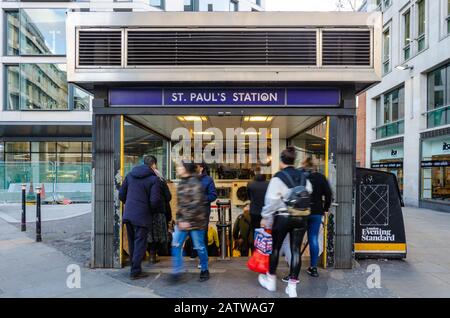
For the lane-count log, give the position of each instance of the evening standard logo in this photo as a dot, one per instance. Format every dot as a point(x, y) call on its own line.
point(375, 234)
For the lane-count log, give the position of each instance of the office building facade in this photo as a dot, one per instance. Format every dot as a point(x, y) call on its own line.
point(407, 127)
point(45, 123)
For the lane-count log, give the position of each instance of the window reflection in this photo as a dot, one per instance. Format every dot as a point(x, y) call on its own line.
point(43, 86)
point(43, 31)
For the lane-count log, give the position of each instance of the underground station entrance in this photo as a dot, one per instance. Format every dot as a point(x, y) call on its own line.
point(230, 89)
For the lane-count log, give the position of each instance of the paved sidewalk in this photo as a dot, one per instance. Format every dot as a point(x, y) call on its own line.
point(29, 269)
point(12, 213)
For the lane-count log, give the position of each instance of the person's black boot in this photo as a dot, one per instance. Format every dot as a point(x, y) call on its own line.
point(312, 271)
point(204, 276)
point(175, 278)
point(139, 276)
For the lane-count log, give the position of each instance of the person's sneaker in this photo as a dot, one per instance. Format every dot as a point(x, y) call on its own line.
point(204, 276)
point(291, 289)
point(139, 276)
point(312, 271)
point(286, 279)
point(268, 281)
point(199, 266)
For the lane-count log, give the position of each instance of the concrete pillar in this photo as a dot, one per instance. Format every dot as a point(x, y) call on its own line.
point(106, 206)
point(415, 97)
point(342, 166)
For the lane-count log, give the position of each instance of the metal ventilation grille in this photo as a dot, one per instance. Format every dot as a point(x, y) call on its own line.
point(100, 48)
point(349, 48)
point(150, 48)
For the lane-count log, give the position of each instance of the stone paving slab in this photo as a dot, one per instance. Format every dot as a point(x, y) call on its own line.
point(30, 269)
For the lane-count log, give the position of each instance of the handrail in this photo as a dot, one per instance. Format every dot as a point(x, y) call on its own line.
point(389, 124)
point(435, 110)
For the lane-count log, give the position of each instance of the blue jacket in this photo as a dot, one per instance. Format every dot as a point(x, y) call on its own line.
point(210, 189)
point(141, 194)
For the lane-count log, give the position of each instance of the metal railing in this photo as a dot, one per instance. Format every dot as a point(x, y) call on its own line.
point(390, 129)
point(438, 117)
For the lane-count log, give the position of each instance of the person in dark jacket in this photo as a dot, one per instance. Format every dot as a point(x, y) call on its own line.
point(243, 232)
point(208, 184)
point(209, 188)
point(158, 235)
point(256, 193)
point(191, 219)
point(320, 204)
point(140, 192)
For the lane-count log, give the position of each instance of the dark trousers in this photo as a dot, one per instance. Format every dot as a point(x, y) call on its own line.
point(137, 246)
point(255, 221)
point(296, 227)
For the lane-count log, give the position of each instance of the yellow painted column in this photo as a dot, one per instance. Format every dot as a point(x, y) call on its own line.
point(325, 225)
point(122, 154)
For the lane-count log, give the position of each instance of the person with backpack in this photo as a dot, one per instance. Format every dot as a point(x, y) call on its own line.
point(141, 194)
point(286, 210)
point(320, 204)
point(191, 220)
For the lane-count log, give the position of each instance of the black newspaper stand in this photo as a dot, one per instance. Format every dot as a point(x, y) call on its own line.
point(379, 224)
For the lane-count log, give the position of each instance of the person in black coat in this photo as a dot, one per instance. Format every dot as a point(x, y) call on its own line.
point(141, 194)
point(321, 199)
point(158, 235)
point(256, 193)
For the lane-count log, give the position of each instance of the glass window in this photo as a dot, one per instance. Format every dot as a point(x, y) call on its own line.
point(437, 89)
point(188, 5)
point(12, 33)
point(448, 17)
point(234, 5)
point(391, 114)
point(17, 147)
point(421, 27)
point(407, 35)
point(158, 4)
point(13, 87)
point(386, 50)
point(435, 169)
point(82, 100)
point(47, 146)
point(43, 31)
point(212, 5)
point(87, 147)
point(379, 5)
point(380, 113)
point(69, 147)
point(43, 86)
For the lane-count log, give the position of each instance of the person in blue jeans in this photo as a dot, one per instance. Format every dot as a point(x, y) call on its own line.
point(321, 198)
point(191, 220)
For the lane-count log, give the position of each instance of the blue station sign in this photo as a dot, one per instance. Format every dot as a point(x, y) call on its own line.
point(231, 97)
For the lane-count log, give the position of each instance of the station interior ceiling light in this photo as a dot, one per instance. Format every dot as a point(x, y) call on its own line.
point(258, 118)
point(192, 118)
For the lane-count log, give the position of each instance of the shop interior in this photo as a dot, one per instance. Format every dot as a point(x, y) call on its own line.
point(152, 135)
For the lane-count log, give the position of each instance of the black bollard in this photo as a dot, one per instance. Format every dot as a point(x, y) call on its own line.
point(23, 226)
point(38, 215)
